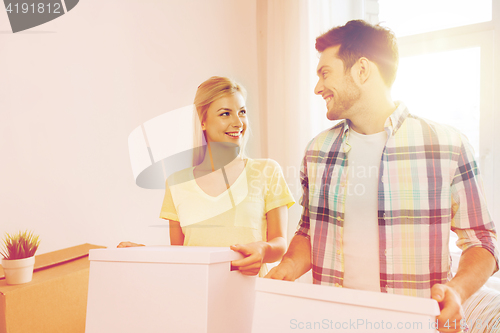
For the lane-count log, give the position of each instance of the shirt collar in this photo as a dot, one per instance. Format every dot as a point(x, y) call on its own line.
point(392, 123)
point(396, 119)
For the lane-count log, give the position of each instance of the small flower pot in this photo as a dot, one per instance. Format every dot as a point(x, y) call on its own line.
point(18, 271)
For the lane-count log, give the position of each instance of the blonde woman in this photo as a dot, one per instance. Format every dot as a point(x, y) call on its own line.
point(226, 198)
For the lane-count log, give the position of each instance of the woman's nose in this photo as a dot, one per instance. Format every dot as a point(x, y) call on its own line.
point(237, 122)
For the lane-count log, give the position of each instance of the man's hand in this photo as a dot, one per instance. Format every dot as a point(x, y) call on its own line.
point(254, 254)
point(284, 271)
point(450, 303)
point(296, 261)
point(476, 265)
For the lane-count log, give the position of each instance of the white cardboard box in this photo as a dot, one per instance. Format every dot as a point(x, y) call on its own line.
point(168, 289)
point(283, 306)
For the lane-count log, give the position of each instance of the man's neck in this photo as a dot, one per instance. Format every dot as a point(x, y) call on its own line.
point(371, 116)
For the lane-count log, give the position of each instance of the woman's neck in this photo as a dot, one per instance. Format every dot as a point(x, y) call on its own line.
point(219, 155)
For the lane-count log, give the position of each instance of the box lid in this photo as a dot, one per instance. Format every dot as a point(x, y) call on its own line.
point(363, 298)
point(166, 254)
point(50, 259)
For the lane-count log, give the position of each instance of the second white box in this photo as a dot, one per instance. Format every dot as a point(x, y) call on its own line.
point(283, 306)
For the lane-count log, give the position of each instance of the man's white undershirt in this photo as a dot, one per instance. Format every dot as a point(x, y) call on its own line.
point(360, 240)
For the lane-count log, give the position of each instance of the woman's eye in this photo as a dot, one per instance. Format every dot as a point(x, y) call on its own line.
point(243, 111)
point(224, 114)
point(324, 74)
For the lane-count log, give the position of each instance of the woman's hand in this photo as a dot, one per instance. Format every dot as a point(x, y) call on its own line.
point(257, 253)
point(254, 254)
point(129, 244)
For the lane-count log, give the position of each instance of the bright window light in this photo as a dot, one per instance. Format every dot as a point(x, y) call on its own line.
point(443, 87)
point(413, 17)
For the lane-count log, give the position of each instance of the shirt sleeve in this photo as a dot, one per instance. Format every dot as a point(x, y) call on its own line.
point(278, 193)
point(303, 228)
point(471, 221)
point(168, 211)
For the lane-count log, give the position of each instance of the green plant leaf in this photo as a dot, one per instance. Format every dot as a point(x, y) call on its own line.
point(19, 246)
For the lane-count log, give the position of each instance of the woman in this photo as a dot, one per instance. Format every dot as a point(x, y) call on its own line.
point(227, 199)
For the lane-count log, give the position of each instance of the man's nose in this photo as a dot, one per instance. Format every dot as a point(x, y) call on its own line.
point(318, 90)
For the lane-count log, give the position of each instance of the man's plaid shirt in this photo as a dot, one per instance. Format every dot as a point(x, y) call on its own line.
point(429, 184)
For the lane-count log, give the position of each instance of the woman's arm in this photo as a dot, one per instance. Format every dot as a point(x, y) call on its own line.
point(257, 253)
point(176, 235)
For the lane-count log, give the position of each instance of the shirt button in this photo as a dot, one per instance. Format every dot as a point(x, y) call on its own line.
point(385, 252)
point(384, 215)
point(338, 252)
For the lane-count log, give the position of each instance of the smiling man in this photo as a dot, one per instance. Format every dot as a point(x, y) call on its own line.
point(383, 188)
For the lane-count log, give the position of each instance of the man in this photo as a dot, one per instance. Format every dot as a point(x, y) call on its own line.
point(383, 189)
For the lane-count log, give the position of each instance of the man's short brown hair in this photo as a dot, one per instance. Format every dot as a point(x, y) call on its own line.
point(360, 39)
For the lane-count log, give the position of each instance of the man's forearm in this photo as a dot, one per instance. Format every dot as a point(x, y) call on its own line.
point(475, 267)
point(299, 254)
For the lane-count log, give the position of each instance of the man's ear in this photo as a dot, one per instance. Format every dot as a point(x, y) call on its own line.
point(363, 69)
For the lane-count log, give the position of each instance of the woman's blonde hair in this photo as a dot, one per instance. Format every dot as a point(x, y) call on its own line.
point(208, 92)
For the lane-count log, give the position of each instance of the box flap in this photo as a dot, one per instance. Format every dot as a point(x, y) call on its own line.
point(363, 298)
point(167, 254)
point(60, 256)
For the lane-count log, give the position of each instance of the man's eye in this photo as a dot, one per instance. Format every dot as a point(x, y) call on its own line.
point(243, 111)
point(324, 74)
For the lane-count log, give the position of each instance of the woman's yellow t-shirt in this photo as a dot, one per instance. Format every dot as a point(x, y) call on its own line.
point(237, 216)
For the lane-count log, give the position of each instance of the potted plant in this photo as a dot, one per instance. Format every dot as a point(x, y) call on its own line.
point(19, 256)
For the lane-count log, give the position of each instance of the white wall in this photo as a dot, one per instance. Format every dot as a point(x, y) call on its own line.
point(73, 89)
